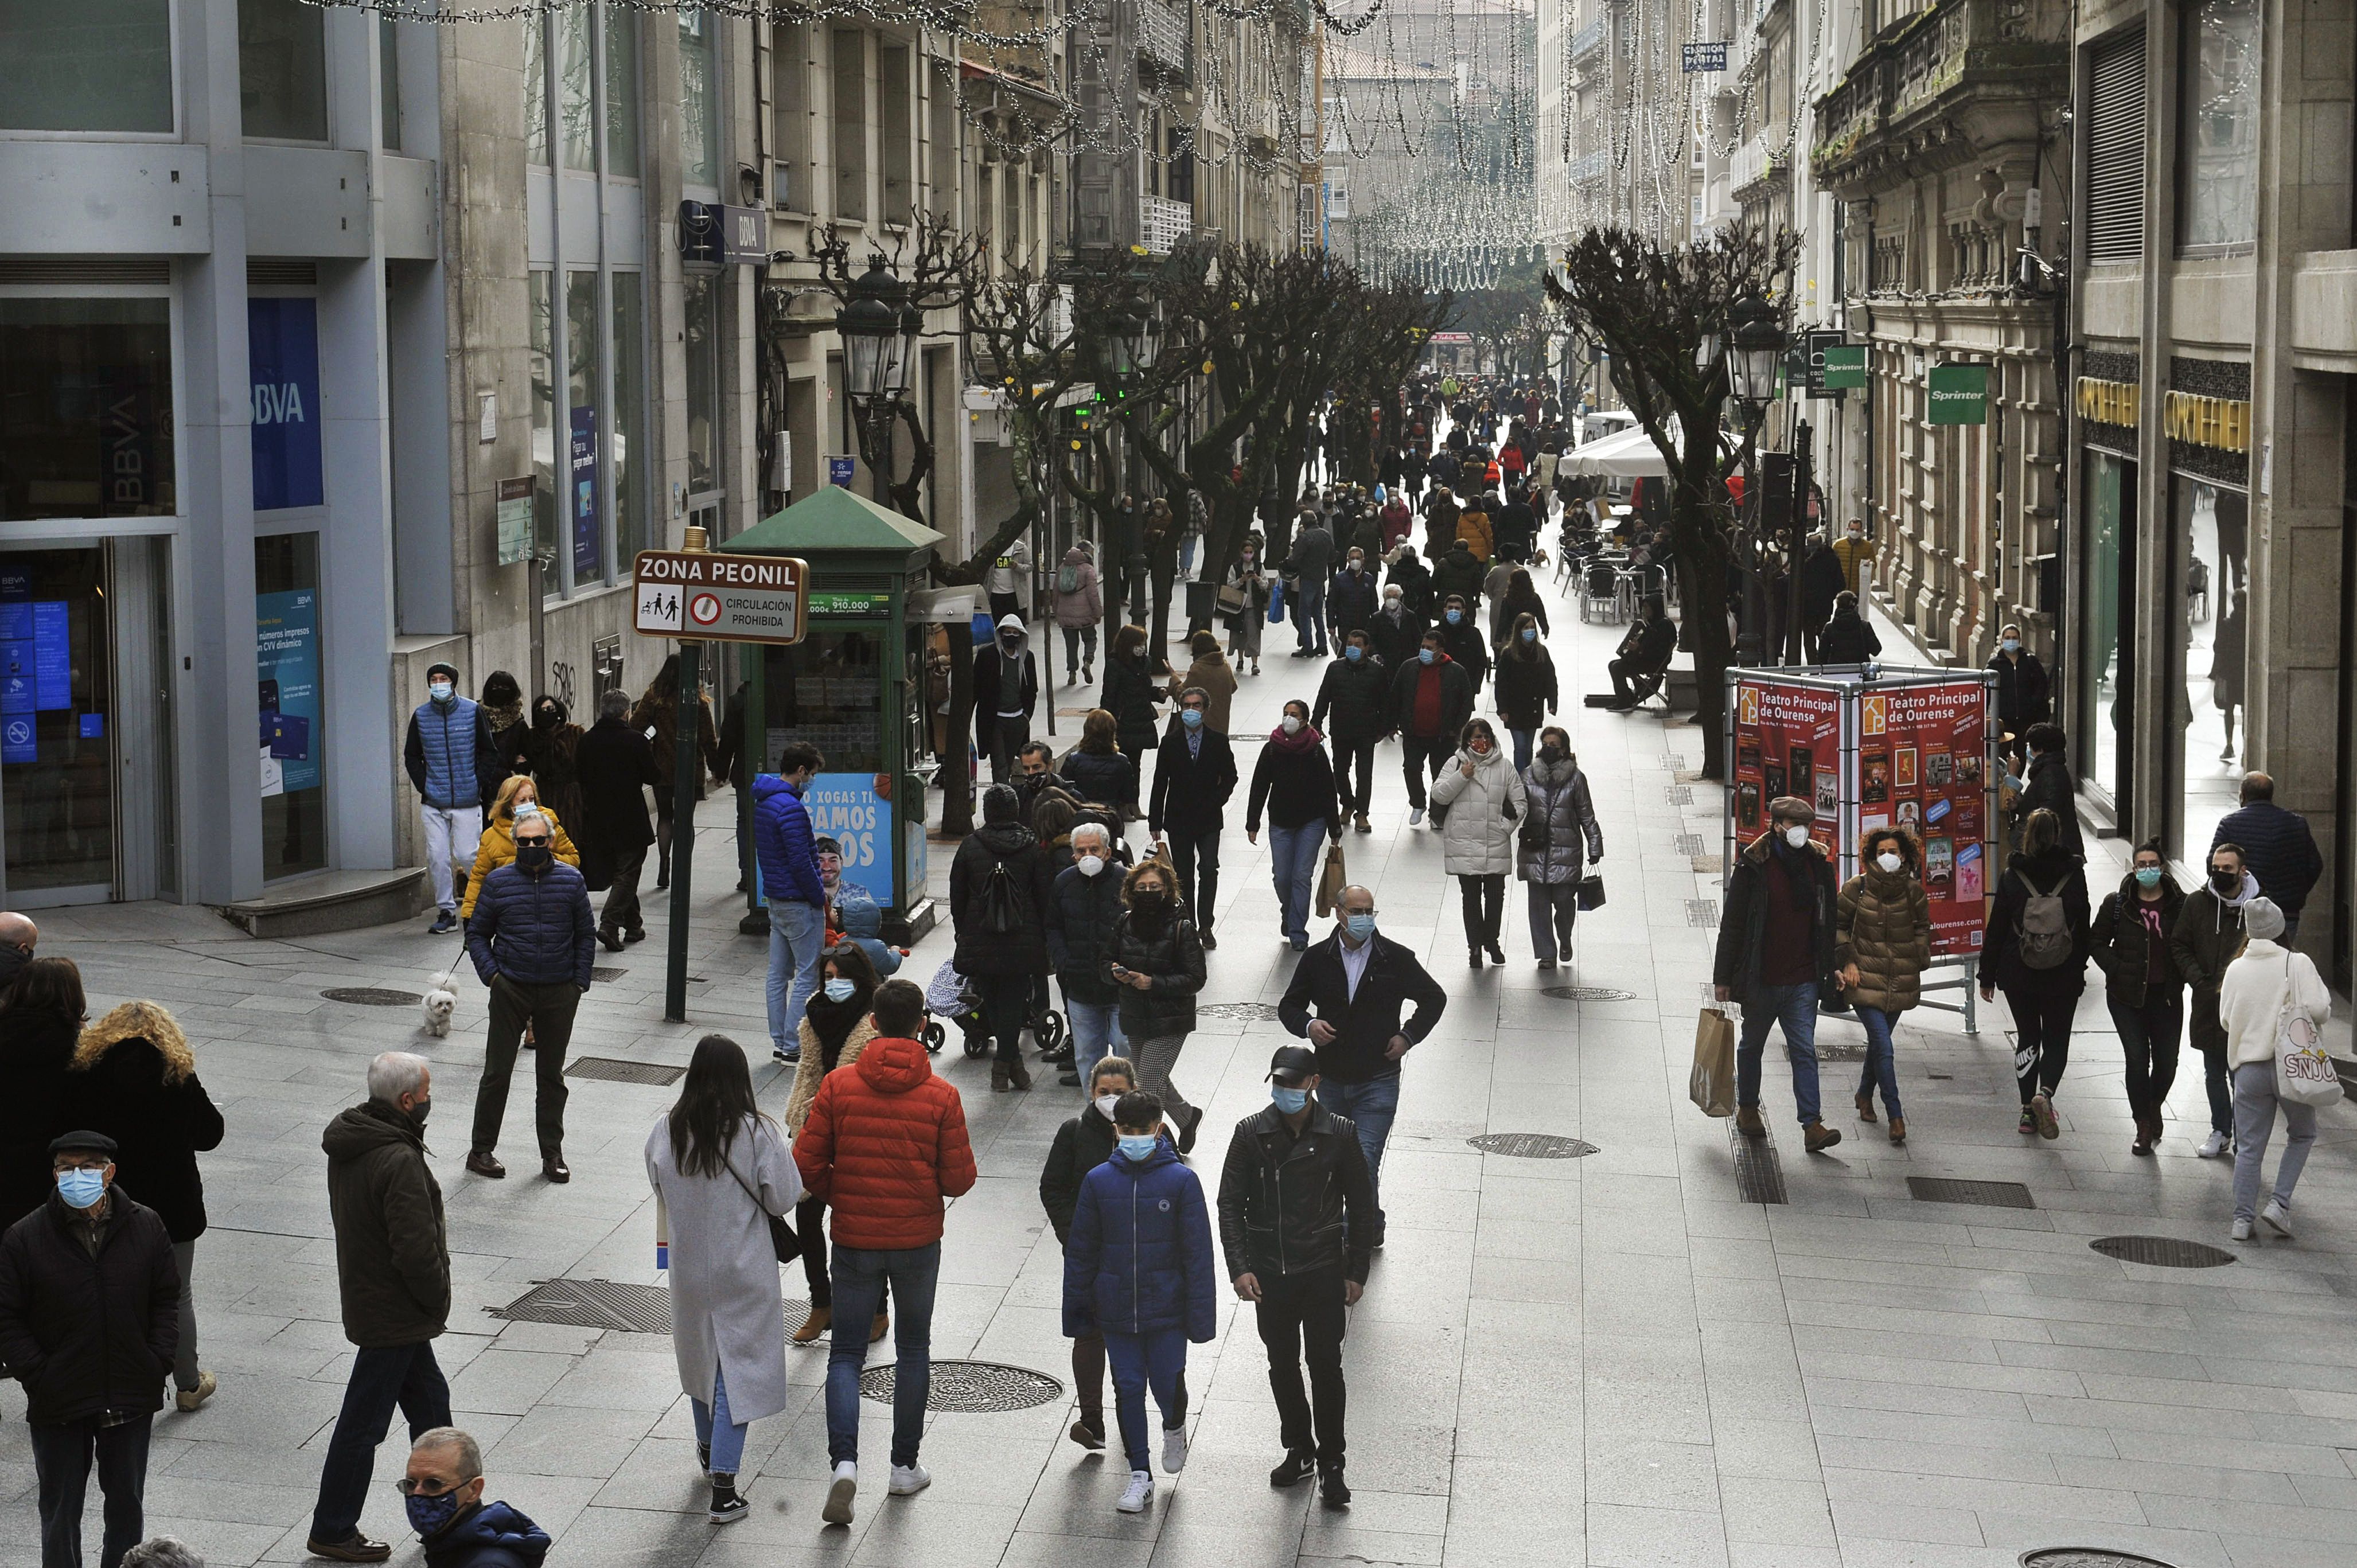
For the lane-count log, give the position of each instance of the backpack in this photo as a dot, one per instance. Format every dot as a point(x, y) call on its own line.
point(1002, 912)
point(2045, 940)
point(1068, 578)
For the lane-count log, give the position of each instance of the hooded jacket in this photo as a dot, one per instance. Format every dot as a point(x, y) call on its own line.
point(1485, 812)
point(990, 693)
point(1084, 606)
point(2252, 999)
point(1884, 926)
point(392, 1252)
point(1557, 796)
point(1139, 1258)
point(135, 1079)
point(1020, 951)
point(812, 1069)
point(2059, 871)
point(1742, 932)
point(493, 1536)
point(2208, 937)
point(783, 842)
point(2123, 947)
point(89, 1334)
point(885, 1143)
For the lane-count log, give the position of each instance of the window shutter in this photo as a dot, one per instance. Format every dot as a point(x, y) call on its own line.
point(2115, 151)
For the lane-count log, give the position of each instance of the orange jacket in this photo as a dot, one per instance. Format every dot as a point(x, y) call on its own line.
point(884, 1144)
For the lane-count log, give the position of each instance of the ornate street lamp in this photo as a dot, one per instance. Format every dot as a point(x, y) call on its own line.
point(1706, 350)
point(868, 325)
point(1755, 348)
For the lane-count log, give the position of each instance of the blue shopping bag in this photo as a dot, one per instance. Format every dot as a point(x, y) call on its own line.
point(1276, 600)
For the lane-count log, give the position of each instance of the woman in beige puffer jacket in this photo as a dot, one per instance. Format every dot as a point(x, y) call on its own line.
point(1882, 943)
point(1485, 802)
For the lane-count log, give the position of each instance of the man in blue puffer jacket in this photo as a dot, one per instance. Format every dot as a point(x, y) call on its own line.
point(532, 937)
point(454, 765)
point(794, 889)
point(1138, 1271)
point(443, 1496)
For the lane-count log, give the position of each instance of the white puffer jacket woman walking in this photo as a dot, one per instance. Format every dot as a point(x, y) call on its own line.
point(1484, 801)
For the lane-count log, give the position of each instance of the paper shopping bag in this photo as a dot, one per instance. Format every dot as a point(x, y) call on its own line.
point(1712, 1083)
point(1330, 883)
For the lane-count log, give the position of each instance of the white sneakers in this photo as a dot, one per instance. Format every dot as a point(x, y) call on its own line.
point(2239, 1231)
point(838, 1496)
point(1416, 816)
point(2214, 1146)
point(1174, 1438)
point(908, 1479)
point(2276, 1218)
point(1140, 1493)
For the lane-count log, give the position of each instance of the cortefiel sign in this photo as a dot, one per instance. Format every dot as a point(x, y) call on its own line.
point(721, 598)
point(1959, 394)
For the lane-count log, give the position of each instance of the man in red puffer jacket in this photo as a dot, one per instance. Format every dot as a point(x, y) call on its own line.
point(885, 1143)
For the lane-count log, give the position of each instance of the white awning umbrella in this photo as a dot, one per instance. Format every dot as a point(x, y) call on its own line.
point(1627, 454)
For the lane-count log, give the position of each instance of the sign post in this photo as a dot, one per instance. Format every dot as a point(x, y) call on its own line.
point(697, 596)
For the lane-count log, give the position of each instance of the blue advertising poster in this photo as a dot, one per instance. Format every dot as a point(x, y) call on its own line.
point(845, 808)
point(52, 657)
point(286, 658)
point(282, 345)
point(838, 471)
point(584, 493)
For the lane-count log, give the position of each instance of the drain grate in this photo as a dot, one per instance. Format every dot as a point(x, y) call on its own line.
point(1586, 994)
point(1531, 1146)
point(604, 1304)
point(608, 972)
point(2162, 1251)
point(1689, 845)
point(371, 996)
point(1256, 1011)
point(1679, 795)
point(1759, 1170)
point(969, 1388)
point(1986, 1194)
point(613, 1070)
point(1702, 911)
point(2087, 1557)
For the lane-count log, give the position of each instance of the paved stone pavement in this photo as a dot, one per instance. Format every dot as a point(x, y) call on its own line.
point(1608, 1360)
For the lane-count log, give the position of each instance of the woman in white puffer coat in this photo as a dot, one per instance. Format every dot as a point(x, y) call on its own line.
point(1484, 801)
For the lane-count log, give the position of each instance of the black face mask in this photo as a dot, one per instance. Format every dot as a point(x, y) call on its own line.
point(1550, 754)
point(1148, 901)
point(2226, 881)
point(531, 856)
point(419, 1112)
point(544, 719)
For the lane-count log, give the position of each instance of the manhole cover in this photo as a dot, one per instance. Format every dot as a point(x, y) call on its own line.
point(970, 1387)
point(1702, 911)
point(2162, 1251)
point(1531, 1146)
point(1256, 1011)
point(605, 1304)
point(613, 1071)
point(371, 996)
point(1986, 1194)
point(608, 972)
point(1586, 994)
point(1758, 1172)
point(2087, 1557)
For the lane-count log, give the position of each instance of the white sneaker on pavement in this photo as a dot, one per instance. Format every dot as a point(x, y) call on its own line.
point(908, 1479)
point(1139, 1492)
point(2213, 1146)
point(1174, 1438)
point(2276, 1218)
point(838, 1496)
point(2239, 1231)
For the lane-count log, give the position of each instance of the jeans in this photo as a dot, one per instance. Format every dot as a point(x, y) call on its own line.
point(1006, 1004)
point(1795, 1007)
point(1159, 1359)
point(1088, 1377)
point(1483, 898)
point(714, 1426)
point(383, 1377)
point(2149, 1037)
point(1154, 1059)
point(1523, 740)
point(1080, 648)
point(1096, 1033)
point(1007, 736)
point(621, 911)
point(62, 1452)
point(451, 834)
point(1293, 863)
point(797, 936)
point(184, 1364)
point(549, 1010)
point(1196, 857)
point(1302, 1315)
point(2214, 1080)
point(1309, 614)
point(2042, 1040)
point(1371, 1107)
point(2254, 1124)
point(860, 1275)
point(1421, 758)
point(1359, 755)
point(1554, 909)
point(1881, 1071)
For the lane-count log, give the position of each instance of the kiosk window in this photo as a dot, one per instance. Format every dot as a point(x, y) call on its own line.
point(828, 690)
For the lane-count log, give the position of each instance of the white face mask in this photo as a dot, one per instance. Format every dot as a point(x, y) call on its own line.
point(1888, 862)
point(1290, 723)
point(1106, 1102)
point(1797, 836)
point(1091, 864)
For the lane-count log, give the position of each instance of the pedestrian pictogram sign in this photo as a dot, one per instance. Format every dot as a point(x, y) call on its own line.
point(720, 598)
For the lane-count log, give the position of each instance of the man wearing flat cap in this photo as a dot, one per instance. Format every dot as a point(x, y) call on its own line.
point(90, 1319)
point(1297, 1224)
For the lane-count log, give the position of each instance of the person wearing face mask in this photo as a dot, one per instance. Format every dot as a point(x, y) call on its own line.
point(1856, 553)
point(1775, 956)
point(1517, 595)
point(1482, 796)
point(1882, 945)
point(1413, 579)
point(2023, 690)
point(1246, 602)
point(1397, 630)
point(1194, 776)
point(532, 937)
point(1083, 904)
point(1461, 639)
point(2036, 952)
point(1356, 693)
point(835, 1028)
point(1154, 961)
point(1397, 518)
point(2208, 937)
point(1082, 1144)
point(1138, 1274)
point(999, 891)
point(453, 762)
point(1298, 1227)
point(1527, 693)
point(1293, 780)
point(1350, 603)
point(551, 752)
point(1006, 694)
point(1431, 699)
point(1556, 842)
point(1130, 693)
point(442, 1493)
point(392, 1271)
point(518, 797)
point(89, 1318)
point(2142, 988)
point(2268, 983)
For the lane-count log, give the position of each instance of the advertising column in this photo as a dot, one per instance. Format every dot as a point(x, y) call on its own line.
point(1922, 751)
point(1787, 742)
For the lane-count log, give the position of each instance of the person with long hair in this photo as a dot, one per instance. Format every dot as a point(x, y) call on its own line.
point(1481, 792)
point(497, 846)
point(1527, 691)
point(41, 1015)
point(658, 710)
point(1293, 780)
point(1082, 1144)
point(835, 1028)
point(1098, 768)
point(1130, 693)
point(721, 1171)
point(1156, 960)
point(1555, 843)
point(2036, 952)
point(1249, 577)
point(1882, 944)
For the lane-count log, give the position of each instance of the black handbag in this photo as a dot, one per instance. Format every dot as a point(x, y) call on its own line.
point(783, 1240)
point(1591, 892)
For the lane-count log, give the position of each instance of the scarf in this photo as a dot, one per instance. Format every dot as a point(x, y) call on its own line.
point(1800, 885)
point(1307, 738)
point(833, 1022)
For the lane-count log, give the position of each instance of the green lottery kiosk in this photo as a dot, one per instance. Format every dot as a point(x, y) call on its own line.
point(854, 689)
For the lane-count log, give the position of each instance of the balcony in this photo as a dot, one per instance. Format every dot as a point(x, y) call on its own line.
point(1163, 224)
point(1165, 36)
point(1759, 169)
point(1950, 83)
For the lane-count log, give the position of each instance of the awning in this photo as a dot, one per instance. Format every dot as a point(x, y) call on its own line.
point(1629, 455)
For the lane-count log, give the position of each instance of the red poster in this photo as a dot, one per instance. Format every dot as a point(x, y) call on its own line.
point(1787, 742)
point(1920, 766)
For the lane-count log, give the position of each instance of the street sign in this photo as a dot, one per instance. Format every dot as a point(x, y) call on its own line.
point(1844, 366)
point(1820, 341)
point(516, 520)
point(838, 471)
point(1696, 58)
point(721, 598)
point(1959, 394)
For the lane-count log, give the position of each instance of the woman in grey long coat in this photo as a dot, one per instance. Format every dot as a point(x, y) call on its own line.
point(721, 1169)
point(1559, 838)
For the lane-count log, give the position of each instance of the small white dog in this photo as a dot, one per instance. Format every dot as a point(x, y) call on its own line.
point(438, 1004)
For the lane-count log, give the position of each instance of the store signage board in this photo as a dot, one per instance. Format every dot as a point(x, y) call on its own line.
point(1695, 57)
point(716, 597)
point(516, 520)
point(1844, 366)
point(1959, 394)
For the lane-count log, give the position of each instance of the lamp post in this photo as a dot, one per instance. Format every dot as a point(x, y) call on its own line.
point(1754, 349)
point(874, 360)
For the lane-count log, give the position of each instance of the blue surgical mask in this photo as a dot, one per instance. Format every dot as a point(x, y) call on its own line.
point(431, 1516)
point(1138, 1147)
point(1360, 927)
point(2148, 876)
point(1191, 717)
point(1353, 653)
point(1530, 634)
point(81, 1188)
point(840, 989)
point(1289, 1101)
point(1426, 655)
point(1456, 616)
point(438, 690)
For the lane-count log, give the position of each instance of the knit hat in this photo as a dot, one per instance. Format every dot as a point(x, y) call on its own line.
point(2263, 919)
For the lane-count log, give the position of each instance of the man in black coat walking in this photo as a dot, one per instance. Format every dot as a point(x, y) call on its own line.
point(532, 938)
point(1776, 957)
point(2277, 848)
point(616, 767)
point(1357, 693)
point(90, 1323)
point(1431, 698)
point(2049, 786)
point(1194, 774)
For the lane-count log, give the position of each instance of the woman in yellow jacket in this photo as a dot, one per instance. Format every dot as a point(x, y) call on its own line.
point(497, 846)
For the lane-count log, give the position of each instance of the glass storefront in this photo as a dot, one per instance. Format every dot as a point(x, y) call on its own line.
point(85, 408)
point(2106, 655)
point(701, 296)
point(56, 724)
point(294, 722)
point(630, 513)
point(86, 65)
point(2210, 534)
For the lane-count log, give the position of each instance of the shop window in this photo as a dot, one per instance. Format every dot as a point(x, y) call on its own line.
point(292, 746)
point(622, 106)
point(282, 69)
point(790, 113)
point(701, 297)
point(896, 124)
point(2218, 133)
point(850, 81)
point(535, 90)
point(2105, 673)
point(57, 746)
point(544, 421)
point(583, 334)
point(699, 100)
point(2210, 627)
point(91, 65)
point(573, 91)
point(631, 532)
point(85, 408)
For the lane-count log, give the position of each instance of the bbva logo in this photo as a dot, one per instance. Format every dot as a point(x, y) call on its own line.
point(278, 403)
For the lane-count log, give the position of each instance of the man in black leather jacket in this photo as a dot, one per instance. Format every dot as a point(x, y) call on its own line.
point(1297, 1223)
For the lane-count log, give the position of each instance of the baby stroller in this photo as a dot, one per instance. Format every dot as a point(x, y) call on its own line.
point(861, 920)
point(951, 996)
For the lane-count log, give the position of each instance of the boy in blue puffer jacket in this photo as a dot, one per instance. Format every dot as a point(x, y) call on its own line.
point(1138, 1270)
